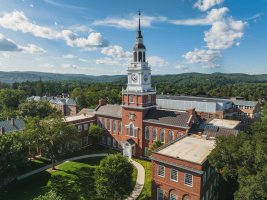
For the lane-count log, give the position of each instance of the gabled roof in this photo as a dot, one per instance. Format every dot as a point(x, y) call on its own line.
point(110, 110)
point(19, 124)
point(167, 117)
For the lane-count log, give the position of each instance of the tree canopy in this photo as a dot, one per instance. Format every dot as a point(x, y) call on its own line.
point(113, 177)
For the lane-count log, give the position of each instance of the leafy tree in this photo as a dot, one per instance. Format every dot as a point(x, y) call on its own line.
point(95, 133)
point(113, 177)
point(10, 99)
point(12, 155)
point(39, 109)
point(51, 195)
point(156, 145)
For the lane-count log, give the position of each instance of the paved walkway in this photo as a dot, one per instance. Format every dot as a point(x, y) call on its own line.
point(139, 181)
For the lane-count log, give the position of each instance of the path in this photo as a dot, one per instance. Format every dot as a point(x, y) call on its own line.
point(139, 181)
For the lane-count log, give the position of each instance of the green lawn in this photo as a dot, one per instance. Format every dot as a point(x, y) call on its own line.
point(72, 180)
point(146, 192)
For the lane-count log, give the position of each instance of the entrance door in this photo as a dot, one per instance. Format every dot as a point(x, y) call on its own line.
point(127, 150)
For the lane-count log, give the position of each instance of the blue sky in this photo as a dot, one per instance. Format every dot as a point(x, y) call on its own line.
point(97, 37)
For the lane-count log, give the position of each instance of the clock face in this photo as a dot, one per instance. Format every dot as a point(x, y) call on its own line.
point(146, 77)
point(134, 77)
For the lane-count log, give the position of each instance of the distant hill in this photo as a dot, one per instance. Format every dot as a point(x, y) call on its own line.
point(11, 77)
point(218, 78)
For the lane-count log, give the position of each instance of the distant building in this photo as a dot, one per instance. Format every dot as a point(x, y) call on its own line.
point(214, 108)
point(66, 105)
point(11, 125)
point(180, 170)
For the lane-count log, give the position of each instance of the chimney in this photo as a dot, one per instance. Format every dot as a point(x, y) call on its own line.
point(101, 102)
point(12, 121)
point(2, 130)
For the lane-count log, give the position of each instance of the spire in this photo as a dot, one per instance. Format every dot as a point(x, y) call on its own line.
point(139, 34)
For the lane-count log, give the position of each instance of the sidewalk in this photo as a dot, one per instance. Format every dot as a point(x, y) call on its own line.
point(139, 181)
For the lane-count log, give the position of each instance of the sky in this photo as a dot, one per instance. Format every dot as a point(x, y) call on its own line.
point(96, 37)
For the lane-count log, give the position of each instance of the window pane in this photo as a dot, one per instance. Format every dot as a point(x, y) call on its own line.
point(173, 196)
point(147, 133)
point(154, 133)
point(160, 195)
point(114, 125)
point(119, 126)
point(170, 136)
point(131, 130)
point(188, 179)
point(161, 170)
point(174, 175)
point(162, 135)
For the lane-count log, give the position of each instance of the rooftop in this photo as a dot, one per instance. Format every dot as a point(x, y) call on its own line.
point(245, 103)
point(77, 117)
point(225, 123)
point(16, 125)
point(167, 117)
point(111, 110)
point(192, 98)
point(192, 148)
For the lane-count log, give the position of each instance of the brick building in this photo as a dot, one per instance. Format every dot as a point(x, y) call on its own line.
point(83, 120)
point(181, 171)
point(137, 123)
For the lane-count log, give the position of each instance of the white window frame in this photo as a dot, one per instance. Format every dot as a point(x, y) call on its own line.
point(171, 175)
point(159, 170)
point(185, 179)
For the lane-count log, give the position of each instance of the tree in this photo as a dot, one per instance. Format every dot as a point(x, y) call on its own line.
point(242, 162)
point(95, 133)
point(49, 196)
point(58, 137)
point(39, 109)
point(10, 99)
point(113, 177)
point(155, 146)
point(13, 155)
point(53, 135)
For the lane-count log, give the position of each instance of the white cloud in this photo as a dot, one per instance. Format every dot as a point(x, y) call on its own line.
point(31, 5)
point(130, 22)
point(224, 34)
point(69, 56)
point(94, 40)
point(157, 61)
point(181, 67)
point(206, 58)
point(9, 45)
point(205, 5)
point(116, 52)
point(17, 21)
point(212, 16)
point(32, 49)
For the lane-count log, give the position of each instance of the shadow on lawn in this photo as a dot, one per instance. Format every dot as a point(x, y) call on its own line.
point(77, 184)
point(27, 188)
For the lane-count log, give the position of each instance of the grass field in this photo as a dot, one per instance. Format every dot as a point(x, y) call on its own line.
point(146, 192)
point(71, 180)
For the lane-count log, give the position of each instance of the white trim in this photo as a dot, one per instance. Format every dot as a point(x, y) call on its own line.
point(171, 175)
point(163, 170)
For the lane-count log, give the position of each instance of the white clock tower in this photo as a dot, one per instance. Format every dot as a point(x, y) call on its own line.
point(139, 73)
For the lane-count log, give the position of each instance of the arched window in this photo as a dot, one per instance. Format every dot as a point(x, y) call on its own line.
point(114, 126)
point(162, 135)
point(119, 126)
point(144, 57)
point(173, 196)
point(170, 136)
point(185, 197)
point(131, 130)
point(147, 133)
point(154, 134)
point(103, 123)
point(139, 56)
point(108, 124)
point(135, 56)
